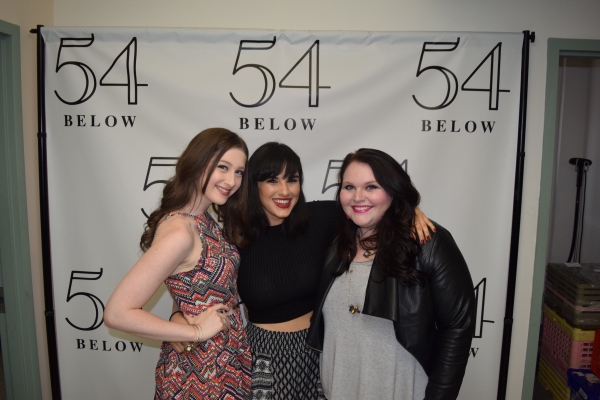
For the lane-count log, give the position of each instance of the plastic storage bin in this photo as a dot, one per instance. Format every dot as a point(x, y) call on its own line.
point(564, 346)
point(559, 370)
point(595, 366)
point(580, 285)
point(582, 317)
point(584, 384)
point(550, 381)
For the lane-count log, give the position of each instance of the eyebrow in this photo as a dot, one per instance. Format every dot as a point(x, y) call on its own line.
point(230, 164)
point(366, 183)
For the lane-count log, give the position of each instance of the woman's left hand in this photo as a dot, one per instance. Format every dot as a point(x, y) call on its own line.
point(422, 225)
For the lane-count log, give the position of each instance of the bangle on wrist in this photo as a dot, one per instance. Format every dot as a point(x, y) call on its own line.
point(175, 312)
point(192, 345)
point(199, 333)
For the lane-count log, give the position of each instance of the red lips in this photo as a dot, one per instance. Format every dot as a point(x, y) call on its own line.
point(283, 203)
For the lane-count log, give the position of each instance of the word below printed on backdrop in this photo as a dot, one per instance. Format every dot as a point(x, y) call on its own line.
point(103, 345)
point(274, 124)
point(442, 125)
point(94, 121)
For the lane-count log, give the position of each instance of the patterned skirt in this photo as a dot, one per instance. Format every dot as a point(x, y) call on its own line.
point(216, 369)
point(283, 368)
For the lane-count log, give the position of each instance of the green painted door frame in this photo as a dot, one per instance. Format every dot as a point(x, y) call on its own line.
point(556, 48)
point(19, 345)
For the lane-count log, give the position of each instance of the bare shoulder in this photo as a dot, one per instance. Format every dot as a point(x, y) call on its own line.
point(176, 232)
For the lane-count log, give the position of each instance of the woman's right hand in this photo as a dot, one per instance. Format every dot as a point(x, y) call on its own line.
point(212, 321)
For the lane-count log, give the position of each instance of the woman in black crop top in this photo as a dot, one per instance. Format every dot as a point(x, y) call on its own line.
point(282, 255)
point(279, 273)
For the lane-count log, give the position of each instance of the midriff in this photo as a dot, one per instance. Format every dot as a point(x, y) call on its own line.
point(294, 325)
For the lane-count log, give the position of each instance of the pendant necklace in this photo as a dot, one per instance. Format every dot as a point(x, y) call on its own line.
point(354, 308)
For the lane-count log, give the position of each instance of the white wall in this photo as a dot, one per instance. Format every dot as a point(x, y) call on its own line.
point(578, 135)
point(591, 236)
point(548, 18)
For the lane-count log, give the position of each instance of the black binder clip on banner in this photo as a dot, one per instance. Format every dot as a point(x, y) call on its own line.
point(582, 165)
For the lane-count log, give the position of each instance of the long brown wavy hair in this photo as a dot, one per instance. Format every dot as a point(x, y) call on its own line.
point(393, 237)
point(201, 155)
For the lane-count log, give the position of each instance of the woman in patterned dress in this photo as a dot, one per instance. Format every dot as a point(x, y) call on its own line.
point(185, 248)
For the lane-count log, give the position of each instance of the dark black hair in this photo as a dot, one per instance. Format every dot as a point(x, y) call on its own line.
point(393, 237)
point(268, 161)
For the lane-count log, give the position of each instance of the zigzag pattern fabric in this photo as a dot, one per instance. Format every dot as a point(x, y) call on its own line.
point(219, 368)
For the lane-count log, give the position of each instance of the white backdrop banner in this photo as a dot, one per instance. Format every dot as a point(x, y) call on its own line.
point(122, 104)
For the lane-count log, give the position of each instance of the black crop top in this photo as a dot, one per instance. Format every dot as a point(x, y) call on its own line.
point(278, 276)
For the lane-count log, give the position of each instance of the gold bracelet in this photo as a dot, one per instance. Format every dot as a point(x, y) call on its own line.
point(199, 332)
point(190, 346)
point(199, 336)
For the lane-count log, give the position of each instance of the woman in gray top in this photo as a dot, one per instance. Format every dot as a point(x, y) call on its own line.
point(393, 319)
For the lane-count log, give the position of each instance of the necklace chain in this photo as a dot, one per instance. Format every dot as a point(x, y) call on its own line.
point(353, 308)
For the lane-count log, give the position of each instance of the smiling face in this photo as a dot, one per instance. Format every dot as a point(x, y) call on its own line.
point(225, 179)
point(278, 196)
point(363, 199)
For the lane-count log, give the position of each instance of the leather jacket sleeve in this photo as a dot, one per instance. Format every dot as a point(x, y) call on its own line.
point(454, 304)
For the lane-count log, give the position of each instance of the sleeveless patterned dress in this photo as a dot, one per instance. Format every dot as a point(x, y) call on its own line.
point(219, 368)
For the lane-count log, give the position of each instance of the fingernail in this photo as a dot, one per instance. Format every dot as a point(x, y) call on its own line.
point(433, 229)
point(422, 241)
point(428, 238)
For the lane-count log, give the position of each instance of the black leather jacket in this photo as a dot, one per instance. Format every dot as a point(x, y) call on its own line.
point(434, 323)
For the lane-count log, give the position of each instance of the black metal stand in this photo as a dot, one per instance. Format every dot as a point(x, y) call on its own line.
point(528, 37)
point(45, 219)
point(582, 164)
